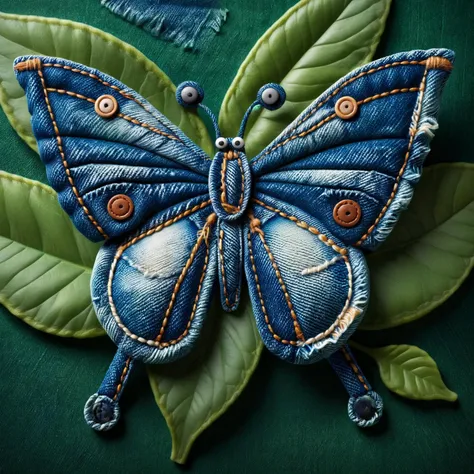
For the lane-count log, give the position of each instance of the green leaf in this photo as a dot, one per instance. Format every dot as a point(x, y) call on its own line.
point(45, 264)
point(194, 392)
point(20, 35)
point(308, 49)
point(429, 253)
point(410, 372)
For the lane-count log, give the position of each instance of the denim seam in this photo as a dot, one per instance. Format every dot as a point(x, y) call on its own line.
point(64, 160)
point(122, 378)
point(105, 83)
point(121, 115)
point(134, 240)
point(230, 155)
point(203, 236)
point(413, 131)
point(262, 301)
point(261, 234)
point(354, 368)
point(333, 116)
point(224, 280)
point(348, 314)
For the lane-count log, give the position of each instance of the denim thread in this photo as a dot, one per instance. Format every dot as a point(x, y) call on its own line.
point(413, 130)
point(203, 236)
point(131, 242)
point(63, 157)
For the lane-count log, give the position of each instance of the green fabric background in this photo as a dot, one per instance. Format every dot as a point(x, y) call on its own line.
point(288, 418)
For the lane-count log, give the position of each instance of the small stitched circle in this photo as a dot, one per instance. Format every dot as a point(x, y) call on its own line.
point(364, 407)
point(106, 106)
point(120, 207)
point(347, 213)
point(346, 107)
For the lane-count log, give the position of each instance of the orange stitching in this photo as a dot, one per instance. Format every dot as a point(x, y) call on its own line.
point(231, 155)
point(224, 281)
point(196, 301)
point(126, 117)
point(262, 302)
point(413, 130)
point(304, 225)
point(105, 83)
point(201, 237)
point(298, 330)
point(122, 378)
point(334, 115)
point(134, 240)
point(354, 368)
point(254, 225)
point(64, 161)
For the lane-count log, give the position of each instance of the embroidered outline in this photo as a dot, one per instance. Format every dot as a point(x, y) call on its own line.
point(65, 163)
point(413, 130)
point(330, 243)
point(133, 241)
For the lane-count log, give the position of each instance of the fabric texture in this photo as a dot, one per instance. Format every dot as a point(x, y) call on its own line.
point(153, 279)
point(187, 23)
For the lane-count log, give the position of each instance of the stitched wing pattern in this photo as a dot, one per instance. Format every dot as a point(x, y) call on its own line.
point(92, 156)
point(336, 179)
point(158, 283)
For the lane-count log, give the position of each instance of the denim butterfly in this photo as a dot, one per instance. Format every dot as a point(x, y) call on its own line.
point(295, 219)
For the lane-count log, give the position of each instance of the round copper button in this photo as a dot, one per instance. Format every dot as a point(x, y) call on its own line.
point(347, 213)
point(120, 207)
point(346, 107)
point(106, 106)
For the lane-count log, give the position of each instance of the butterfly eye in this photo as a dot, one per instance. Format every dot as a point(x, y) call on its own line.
point(238, 143)
point(189, 94)
point(271, 96)
point(221, 143)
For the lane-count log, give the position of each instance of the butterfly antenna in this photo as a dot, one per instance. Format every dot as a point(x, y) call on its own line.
point(209, 112)
point(190, 94)
point(270, 96)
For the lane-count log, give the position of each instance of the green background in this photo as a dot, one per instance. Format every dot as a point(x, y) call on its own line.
point(288, 418)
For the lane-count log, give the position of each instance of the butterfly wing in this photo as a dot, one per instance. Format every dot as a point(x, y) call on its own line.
point(91, 158)
point(133, 178)
point(335, 181)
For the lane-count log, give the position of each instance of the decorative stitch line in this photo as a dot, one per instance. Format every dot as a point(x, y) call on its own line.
point(201, 237)
point(354, 368)
point(126, 117)
point(107, 84)
point(122, 378)
point(328, 242)
point(412, 132)
point(64, 160)
point(131, 242)
point(298, 330)
point(332, 116)
point(228, 156)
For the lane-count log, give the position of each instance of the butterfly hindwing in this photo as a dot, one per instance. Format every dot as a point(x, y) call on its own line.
point(334, 180)
point(152, 290)
point(90, 158)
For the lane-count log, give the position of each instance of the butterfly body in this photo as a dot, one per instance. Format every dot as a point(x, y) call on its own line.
point(291, 224)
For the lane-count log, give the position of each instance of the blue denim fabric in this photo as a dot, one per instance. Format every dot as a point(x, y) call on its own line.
point(196, 219)
point(185, 22)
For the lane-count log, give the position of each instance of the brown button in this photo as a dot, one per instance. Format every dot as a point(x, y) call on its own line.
point(106, 106)
point(346, 107)
point(120, 207)
point(347, 213)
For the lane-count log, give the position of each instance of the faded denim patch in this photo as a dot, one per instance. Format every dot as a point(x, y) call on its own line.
point(187, 23)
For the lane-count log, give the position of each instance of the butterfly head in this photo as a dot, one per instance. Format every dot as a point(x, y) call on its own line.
point(271, 96)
